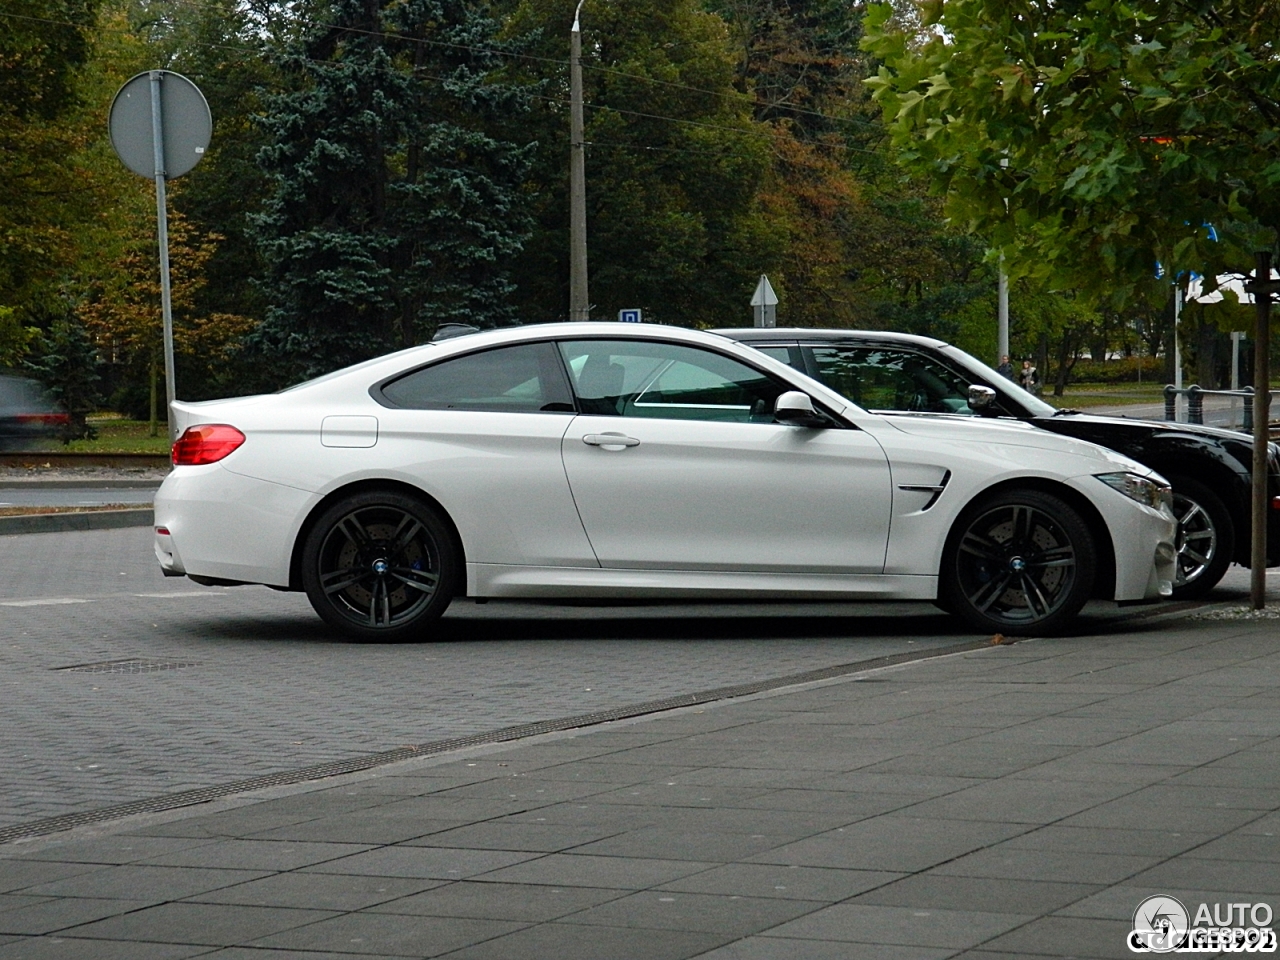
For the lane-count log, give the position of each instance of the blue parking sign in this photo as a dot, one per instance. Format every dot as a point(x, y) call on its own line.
point(629, 316)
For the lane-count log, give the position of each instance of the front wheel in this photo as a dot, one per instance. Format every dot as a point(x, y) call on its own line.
point(1018, 562)
point(379, 566)
point(1206, 539)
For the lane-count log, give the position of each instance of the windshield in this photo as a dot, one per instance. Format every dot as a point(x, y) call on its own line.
point(1029, 401)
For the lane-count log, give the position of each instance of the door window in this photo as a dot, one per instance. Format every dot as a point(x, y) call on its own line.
point(892, 380)
point(634, 378)
point(525, 378)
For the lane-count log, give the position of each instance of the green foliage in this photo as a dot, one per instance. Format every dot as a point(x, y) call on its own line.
point(43, 194)
point(674, 165)
point(1125, 129)
point(15, 338)
point(393, 207)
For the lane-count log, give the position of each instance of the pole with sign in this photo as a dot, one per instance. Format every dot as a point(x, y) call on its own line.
point(764, 304)
point(160, 128)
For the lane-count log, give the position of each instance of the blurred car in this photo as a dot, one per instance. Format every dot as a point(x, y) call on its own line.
point(28, 414)
point(605, 460)
point(897, 373)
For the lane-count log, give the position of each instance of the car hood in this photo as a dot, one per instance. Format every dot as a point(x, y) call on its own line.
point(1010, 433)
point(1164, 426)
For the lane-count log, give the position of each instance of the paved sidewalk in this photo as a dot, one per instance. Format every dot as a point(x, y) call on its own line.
point(1018, 801)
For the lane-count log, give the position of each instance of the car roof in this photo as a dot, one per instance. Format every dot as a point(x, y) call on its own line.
point(815, 334)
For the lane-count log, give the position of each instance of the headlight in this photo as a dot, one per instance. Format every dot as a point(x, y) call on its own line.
point(1148, 492)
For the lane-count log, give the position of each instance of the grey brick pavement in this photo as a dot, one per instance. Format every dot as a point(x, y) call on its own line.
point(274, 691)
point(1019, 801)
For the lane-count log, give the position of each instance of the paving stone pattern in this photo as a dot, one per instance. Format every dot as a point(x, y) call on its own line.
point(274, 691)
point(1015, 802)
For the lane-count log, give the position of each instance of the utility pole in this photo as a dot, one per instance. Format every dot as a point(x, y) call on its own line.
point(579, 302)
point(1262, 288)
point(1002, 294)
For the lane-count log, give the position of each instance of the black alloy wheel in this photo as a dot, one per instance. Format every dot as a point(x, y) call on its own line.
point(1019, 562)
point(379, 565)
point(1205, 539)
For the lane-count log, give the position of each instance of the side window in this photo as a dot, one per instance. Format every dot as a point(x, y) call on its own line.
point(886, 379)
point(526, 378)
point(634, 378)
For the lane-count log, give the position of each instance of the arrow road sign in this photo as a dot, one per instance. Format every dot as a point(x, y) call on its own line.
point(764, 304)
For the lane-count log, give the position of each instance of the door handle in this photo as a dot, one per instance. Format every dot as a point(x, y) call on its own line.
point(609, 440)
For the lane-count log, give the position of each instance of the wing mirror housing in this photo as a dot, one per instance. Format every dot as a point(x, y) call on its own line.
point(981, 399)
point(795, 409)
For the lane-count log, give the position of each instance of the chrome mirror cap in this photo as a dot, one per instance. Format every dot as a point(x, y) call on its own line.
point(980, 397)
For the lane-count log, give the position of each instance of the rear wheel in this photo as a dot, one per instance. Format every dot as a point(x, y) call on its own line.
point(379, 566)
point(1018, 562)
point(1205, 539)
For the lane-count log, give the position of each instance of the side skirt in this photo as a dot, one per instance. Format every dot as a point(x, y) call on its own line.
point(501, 580)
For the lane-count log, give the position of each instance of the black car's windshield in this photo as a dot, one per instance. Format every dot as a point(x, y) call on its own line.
point(889, 379)
point(1023, 398)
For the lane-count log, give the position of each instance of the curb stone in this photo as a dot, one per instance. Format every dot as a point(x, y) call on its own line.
point(77, 520)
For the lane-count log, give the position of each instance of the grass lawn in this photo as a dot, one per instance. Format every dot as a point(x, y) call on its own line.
point(119, 436)
point(1081, 395)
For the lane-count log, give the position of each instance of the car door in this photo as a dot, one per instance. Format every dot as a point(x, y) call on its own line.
point(481, 432)
point(675, 463)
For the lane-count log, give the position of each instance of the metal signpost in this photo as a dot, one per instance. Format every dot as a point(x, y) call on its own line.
point(764, 304)
point(160, 128)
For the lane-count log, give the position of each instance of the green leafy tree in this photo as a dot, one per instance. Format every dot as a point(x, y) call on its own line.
point(1114, 132)
point(44, 44)
point(392, 206)
point(674, 164)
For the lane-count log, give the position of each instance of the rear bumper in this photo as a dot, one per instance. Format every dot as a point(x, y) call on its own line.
point(222, 526)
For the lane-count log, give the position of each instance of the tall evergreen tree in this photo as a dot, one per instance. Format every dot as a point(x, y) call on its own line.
point(394, 206)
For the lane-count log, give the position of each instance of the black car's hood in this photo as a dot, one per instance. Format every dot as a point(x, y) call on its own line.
point(1164, 426)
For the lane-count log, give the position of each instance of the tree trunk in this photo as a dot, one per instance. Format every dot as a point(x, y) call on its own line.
point(1068, 354)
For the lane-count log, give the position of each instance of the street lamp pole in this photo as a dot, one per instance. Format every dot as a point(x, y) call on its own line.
point(579, 302)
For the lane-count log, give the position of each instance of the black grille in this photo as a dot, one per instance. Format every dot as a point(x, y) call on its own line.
point(127, 665)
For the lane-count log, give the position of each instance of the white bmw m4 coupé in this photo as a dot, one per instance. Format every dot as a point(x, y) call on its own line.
point(606, 460)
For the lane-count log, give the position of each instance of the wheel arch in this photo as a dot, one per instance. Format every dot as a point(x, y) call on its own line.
point(1104, 586)
point(367, 486)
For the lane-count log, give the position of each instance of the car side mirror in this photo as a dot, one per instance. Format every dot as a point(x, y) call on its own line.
point(981, 398)
point(795, 409)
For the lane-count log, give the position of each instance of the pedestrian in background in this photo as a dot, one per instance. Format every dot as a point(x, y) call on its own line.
point(1006, 368)
point(1029, 378)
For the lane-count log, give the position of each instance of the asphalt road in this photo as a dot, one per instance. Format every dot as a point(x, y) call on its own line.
point(1218, 412)
point(15, 496)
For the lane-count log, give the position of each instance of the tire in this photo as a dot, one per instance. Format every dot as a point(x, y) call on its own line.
point(1205, 539)
point(1018, 562)
point(379, 566)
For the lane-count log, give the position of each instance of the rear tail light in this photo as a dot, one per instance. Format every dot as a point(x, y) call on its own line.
point(45, 419)
point(206, 443)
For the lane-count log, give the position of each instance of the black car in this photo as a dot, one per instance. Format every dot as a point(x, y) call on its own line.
point(1210, 469)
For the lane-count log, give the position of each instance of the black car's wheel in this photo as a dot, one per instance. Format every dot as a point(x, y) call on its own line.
point(378, 566)
point(1018, 562)
point(1206, 539)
